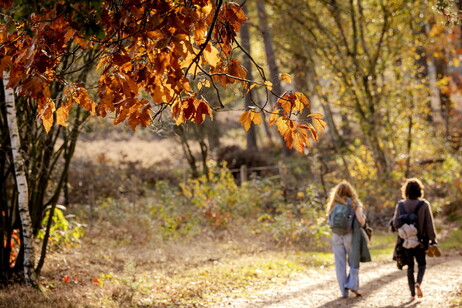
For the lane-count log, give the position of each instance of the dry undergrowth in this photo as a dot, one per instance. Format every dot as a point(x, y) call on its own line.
point(108, 271)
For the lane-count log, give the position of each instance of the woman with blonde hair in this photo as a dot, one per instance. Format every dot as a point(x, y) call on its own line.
point(346, 217)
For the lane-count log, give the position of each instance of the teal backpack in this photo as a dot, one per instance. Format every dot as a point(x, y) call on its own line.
point(341, 218)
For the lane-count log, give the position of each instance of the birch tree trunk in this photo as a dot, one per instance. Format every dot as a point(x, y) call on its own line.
point(21, 180)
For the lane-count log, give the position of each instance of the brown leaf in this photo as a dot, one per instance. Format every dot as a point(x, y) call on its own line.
point(202, 110)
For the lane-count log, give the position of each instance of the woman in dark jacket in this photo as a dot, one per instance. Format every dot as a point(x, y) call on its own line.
point(413, 203)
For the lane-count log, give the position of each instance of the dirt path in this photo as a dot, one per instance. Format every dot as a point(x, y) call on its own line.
point(382, 285)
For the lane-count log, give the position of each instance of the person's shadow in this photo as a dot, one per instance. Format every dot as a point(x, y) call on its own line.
point(344, 302)
point(369, 288)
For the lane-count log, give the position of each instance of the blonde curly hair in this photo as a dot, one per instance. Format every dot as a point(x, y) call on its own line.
point(340, 194)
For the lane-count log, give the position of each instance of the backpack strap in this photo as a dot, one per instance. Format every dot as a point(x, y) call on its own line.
point(401, 209)
point(350, 205)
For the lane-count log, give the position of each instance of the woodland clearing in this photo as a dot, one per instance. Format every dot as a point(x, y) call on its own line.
point(113, 270)
point(120, 262)
point(248, 115)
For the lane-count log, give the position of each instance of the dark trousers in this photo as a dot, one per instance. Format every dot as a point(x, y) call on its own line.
point(419, 255)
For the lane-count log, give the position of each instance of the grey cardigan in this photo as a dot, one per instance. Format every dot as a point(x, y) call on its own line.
point(360, 251)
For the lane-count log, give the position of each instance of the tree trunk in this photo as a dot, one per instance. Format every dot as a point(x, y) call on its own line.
point(435, 101)
point(212, 128)
point(409, 147)
point(380, 158)
point(441, 67)
point(21, 181)
point(251, 135)
point(271, 59)
point(71, 142)
point(337, 140)
point(180, 131)
point(301, 77)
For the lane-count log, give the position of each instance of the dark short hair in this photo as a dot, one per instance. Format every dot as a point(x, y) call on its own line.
point(412, 189)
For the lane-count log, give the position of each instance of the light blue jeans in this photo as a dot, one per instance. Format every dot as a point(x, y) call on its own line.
point(342, 246)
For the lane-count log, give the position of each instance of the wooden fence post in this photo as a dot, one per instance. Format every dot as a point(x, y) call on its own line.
point(243, 173)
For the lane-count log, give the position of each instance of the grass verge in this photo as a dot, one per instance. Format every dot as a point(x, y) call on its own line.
point(197, 274)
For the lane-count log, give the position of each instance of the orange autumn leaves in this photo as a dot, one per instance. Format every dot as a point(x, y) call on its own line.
point(147, 59)
point(191, 109)
point(289, 105)
point(147, 55)
point(249, 117)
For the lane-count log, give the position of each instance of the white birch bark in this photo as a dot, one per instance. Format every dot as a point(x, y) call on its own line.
point(23, 190)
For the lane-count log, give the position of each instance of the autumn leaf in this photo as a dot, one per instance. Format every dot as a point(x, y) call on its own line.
point(319, 124)
point(96, 281)
point(286, 78)
point(246, 120)
point(236, 69)
point(315, 115)
point(207, 9)
point(62, 114)
point(251, 87)
point(303, 99)
point(257, 119)
point(230, 19)
point(273, 118)
point(248, 117)
point(152, 60)
point(191, 108)
point(46, 114)
point(119, 59)
point(82, 98)
point(285, 102)
point(205, 83)
point(202, 110)
point(211, 55)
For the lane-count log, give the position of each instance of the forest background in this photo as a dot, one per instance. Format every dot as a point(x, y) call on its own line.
point(174, 213)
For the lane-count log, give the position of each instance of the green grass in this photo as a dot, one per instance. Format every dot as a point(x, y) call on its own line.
point(453, 241)
point(238, 276)
point(243, 275)
point(382, 245)
point(382, 240)
point(456, 301)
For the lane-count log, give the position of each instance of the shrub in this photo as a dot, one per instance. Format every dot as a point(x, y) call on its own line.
point(65, 230)
point(90, 181)
point(214, 203)
point(209, 202)
point(303, 222)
